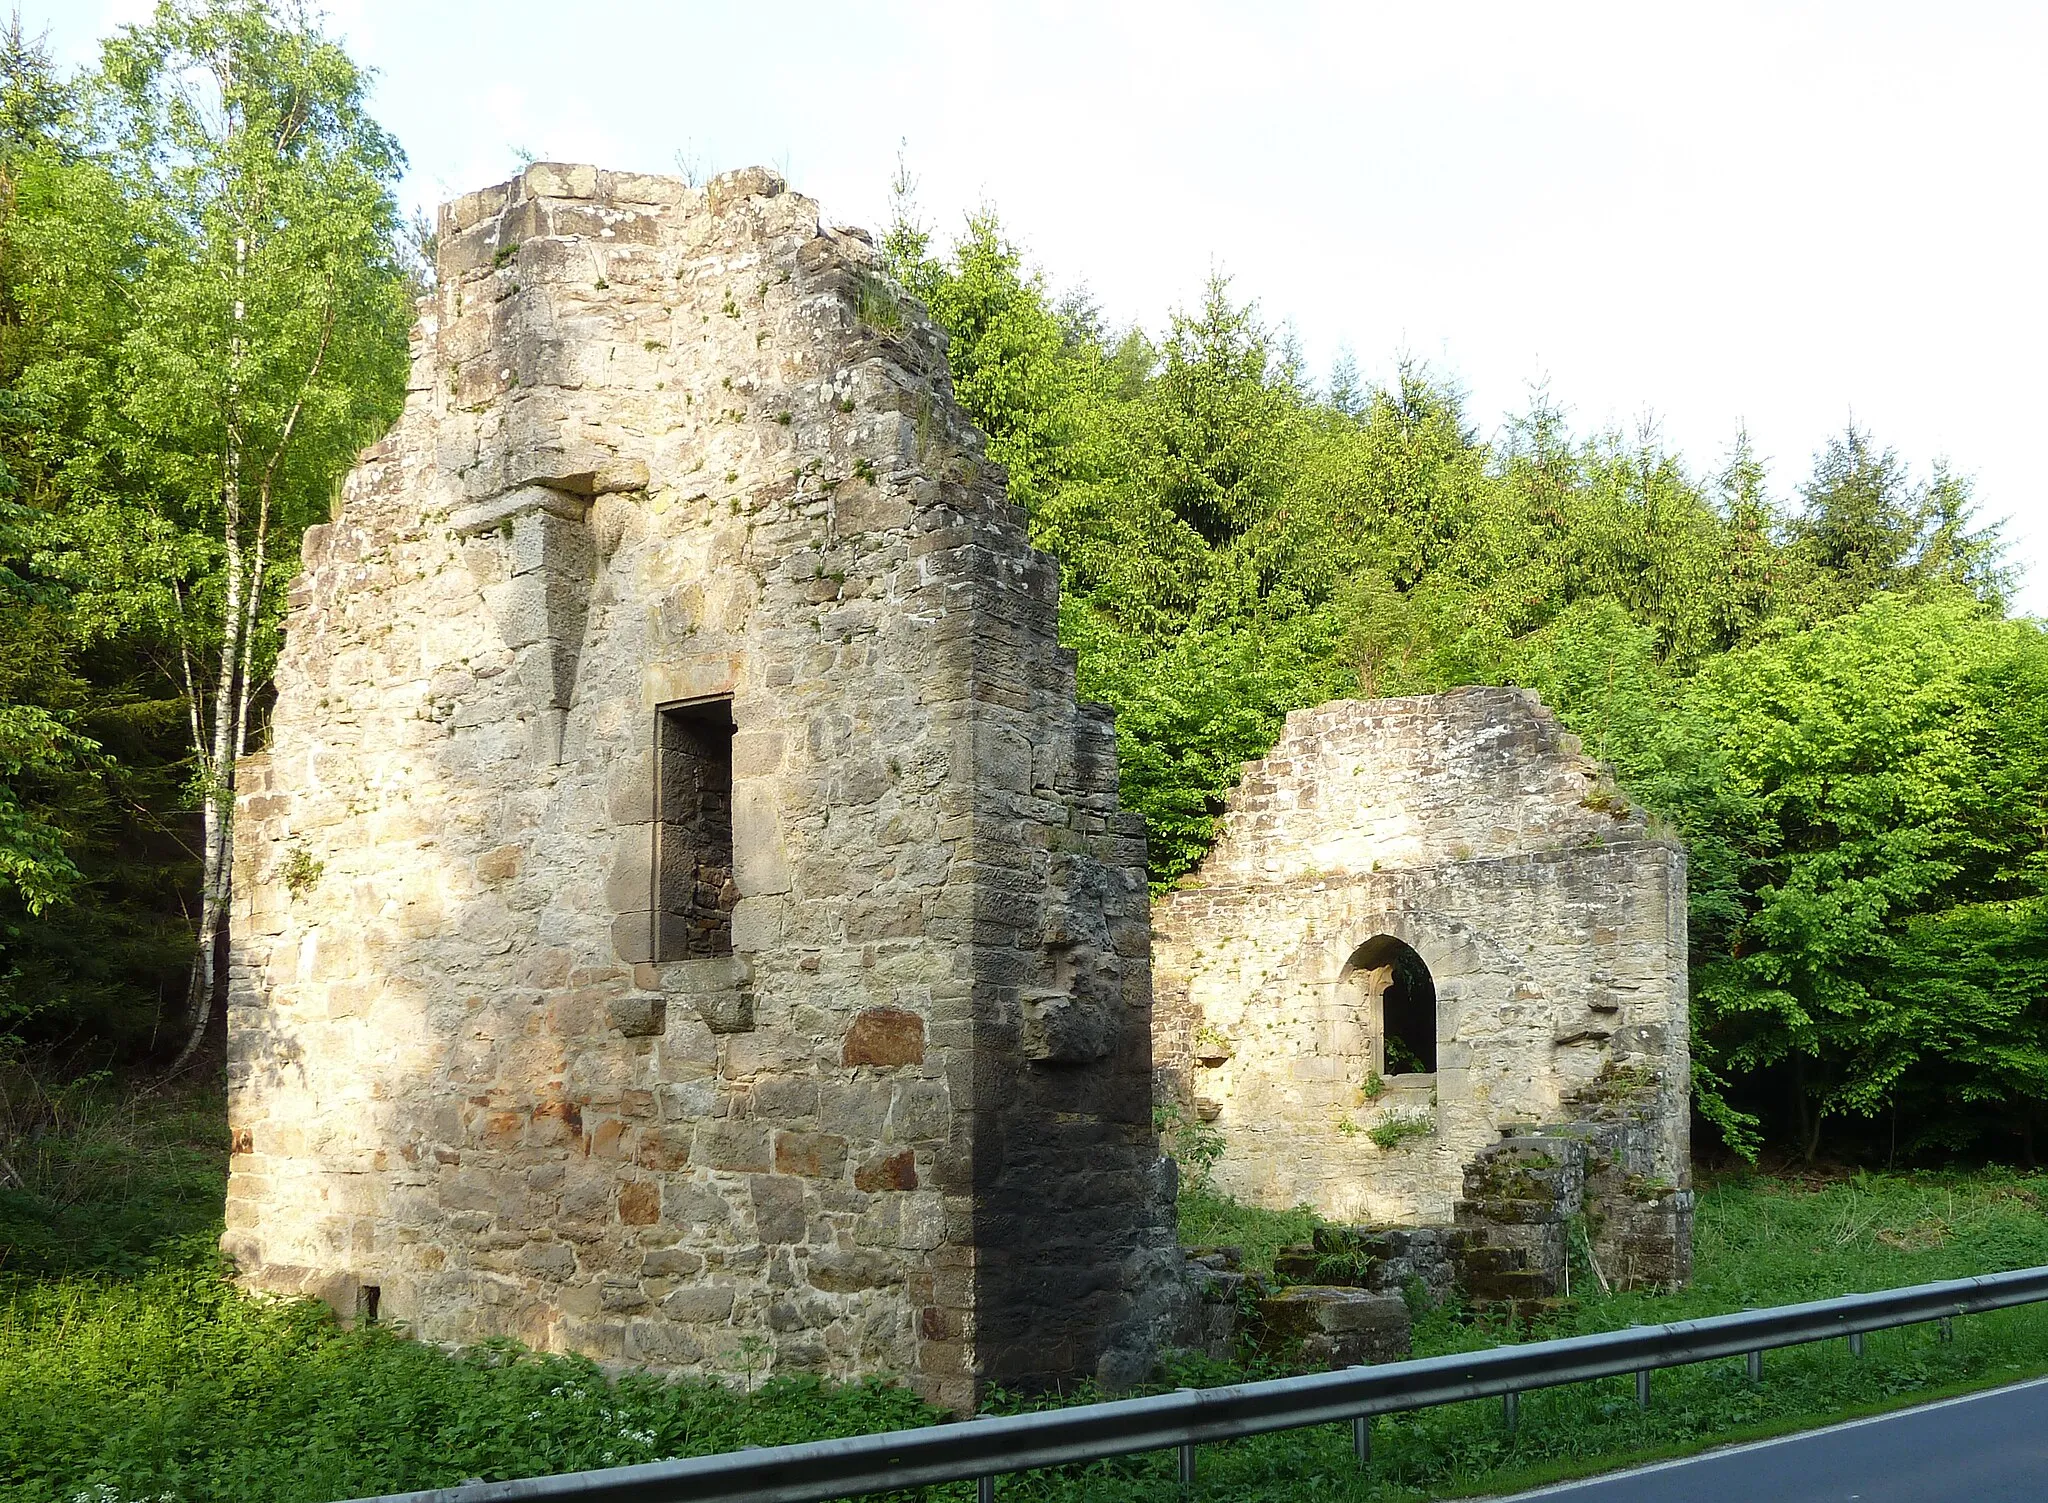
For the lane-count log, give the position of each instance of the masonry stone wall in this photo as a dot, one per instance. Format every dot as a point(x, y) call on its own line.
point(887, 1110)
point(1469, 827)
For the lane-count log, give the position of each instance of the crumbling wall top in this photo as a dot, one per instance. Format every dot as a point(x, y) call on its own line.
point(1361, 786)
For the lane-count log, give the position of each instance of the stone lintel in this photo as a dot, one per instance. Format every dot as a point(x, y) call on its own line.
point(482, 516)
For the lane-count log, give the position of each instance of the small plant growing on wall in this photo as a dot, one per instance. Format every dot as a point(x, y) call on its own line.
point(1603, 797)
point(1374, 1087)
point(875, 303)
point(301, 872)
point(1394, 1130)
point(1401, 1058)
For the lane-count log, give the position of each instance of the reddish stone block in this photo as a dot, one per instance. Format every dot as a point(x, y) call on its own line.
point(814, 1155)
point(885, 1036)
point(895, 1171)
point(640, 1203)
point(557, 1121)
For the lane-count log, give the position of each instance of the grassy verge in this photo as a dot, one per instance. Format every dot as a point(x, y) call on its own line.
point(130, 1371)
point(100, 1178)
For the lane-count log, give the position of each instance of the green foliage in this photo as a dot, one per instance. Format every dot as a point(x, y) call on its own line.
point(1208, 1219)
point(140, 1380)
point(1823, 700)
point(301, 871)
point(1884, 785)
point(178, 1382)
point(203, 301)
point(100, 1175)
point(1197, 1146)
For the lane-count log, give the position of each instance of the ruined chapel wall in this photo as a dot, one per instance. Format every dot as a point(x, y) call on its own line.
point(1468, 826)
point(664, 443)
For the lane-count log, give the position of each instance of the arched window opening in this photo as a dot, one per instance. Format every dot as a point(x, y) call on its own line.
point(1400, 1005)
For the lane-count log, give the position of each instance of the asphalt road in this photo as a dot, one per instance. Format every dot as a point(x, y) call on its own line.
point(1985, 1448)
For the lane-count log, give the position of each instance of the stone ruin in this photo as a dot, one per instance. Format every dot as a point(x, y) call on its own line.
point(683, 916)
point(1433, 976)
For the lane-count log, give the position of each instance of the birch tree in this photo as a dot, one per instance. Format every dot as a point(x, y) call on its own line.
point(253, 258)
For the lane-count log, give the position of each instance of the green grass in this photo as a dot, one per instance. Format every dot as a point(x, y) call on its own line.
point(130, 1370)
point(1213, 1221)
point(96, 1179)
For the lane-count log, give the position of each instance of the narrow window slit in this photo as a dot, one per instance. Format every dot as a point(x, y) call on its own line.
point(693, 860)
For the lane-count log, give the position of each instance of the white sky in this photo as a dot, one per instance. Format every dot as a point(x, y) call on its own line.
point(1779, 215)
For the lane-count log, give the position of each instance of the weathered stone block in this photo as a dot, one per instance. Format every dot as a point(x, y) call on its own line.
point(732, 1146)
point(1336, 1327)
point(884, 1036)
point(639, 1203)
point(638, 1015)
point(888, 1171)
point(778, 1208)
point(810, 1154)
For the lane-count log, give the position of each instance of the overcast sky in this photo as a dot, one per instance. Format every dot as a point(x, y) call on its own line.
point(1710, 216)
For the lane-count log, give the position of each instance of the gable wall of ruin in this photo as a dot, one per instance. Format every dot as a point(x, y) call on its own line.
point(663, 445)
point(1470, 827)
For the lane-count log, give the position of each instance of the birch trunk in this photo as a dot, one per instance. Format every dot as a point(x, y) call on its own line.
point(217, 776)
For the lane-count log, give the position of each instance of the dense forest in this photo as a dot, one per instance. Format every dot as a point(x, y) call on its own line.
point(204, 288)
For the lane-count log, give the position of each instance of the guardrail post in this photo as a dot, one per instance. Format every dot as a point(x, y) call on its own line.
point(1361, 1440)
point(985, 1487)
point(1511, 1409)
point(1855, 1343)
point(1756, 1367)
point(1642, 1388)
point(1187, 1458)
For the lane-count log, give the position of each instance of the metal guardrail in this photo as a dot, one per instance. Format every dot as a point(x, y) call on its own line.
point(818, 1471)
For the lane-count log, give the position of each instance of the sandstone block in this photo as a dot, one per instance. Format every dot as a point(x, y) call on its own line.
point(639, 1203)
point(778, 1208)
point(809, 1154)
point(887, 1037)
point(888, 1171)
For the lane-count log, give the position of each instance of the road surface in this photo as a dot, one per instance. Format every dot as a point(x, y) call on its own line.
point(1984, 1448)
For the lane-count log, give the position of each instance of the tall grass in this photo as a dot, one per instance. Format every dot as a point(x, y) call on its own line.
point(101, 1175)
point(145, 1376)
